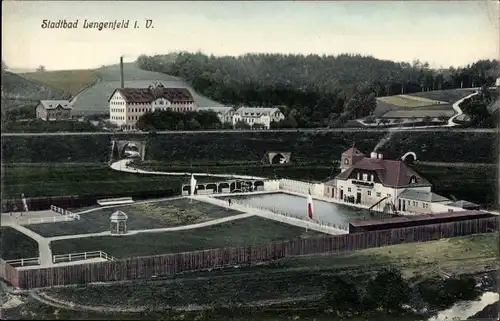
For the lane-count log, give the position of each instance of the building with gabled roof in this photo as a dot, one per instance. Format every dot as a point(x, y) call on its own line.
point(382, 185)
point(127, 105)
point(51, 110)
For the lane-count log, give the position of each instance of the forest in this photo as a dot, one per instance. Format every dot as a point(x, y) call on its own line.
point(313, 90)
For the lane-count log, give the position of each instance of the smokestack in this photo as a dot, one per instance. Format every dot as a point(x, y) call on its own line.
point(122, 81)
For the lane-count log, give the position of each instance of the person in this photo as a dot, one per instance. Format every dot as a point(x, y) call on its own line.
point(229, 201)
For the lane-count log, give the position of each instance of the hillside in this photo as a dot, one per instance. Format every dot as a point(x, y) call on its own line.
point(428, 103)
point(95, 98)
point(319, 90)
point(69, 82)
point(17, 90)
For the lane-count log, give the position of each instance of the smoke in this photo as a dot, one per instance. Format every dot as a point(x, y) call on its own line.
point(383, 141)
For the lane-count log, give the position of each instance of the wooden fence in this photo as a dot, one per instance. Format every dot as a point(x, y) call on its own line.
point(169, 264)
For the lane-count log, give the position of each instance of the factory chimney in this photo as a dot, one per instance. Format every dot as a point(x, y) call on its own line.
point(122, 81)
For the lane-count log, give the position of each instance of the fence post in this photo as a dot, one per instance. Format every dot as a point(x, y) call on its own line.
point(69, 257)
point(85, 255)
point(22, 262)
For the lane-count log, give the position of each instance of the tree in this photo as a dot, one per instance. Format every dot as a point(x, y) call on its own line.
point(341, 294)
point(388, 290)
point(41, 68)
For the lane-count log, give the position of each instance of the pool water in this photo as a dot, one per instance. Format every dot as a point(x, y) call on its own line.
point(296, 206)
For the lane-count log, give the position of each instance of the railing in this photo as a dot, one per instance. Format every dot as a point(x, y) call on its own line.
point(71, 257)
point(24, 262)
point(57, 209)
point(53, 219)
point(273, 210)
point(367, 184)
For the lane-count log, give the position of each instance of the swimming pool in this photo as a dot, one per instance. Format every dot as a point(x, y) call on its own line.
point(296, 206)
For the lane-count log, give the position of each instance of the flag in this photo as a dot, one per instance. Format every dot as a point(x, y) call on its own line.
point(192, 184)
point(310, 205)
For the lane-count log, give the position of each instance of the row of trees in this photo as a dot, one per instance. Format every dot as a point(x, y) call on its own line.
point(317, 90)
point(171, 120)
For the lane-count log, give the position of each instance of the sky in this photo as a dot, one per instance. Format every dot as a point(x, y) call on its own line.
point(446, 33)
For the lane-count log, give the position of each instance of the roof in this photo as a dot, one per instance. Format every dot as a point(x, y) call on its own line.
point(393, 173)
point(463, 204)
point(219, 110)
point(118, 215)
point(416, 218)
point(422, 196)
point(148, 95)
point(352, 151)
point(53, 104)
point(256, 111)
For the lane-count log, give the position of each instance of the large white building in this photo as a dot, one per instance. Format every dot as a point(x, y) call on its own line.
point(385, 185)
point(262, 116)
point(127, 105)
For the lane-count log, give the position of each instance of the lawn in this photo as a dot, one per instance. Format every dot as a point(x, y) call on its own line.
point(141, 216)
point(241, 232)
point(292, 277)
point(449, 95)
point(53, 180)
point(66, 81)
point(407, 101)
point(16, 245)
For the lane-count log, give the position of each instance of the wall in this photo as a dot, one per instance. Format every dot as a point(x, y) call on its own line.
point(441, 207)
point(9, 273)
point(302, 187)
point(272, 185)
point(163, 265)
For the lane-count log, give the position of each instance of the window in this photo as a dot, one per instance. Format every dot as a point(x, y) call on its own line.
point(378, 194)
point(369, 193)
point(346, 161)
point(348, 189)
point(365, 177)
point(371, 177)
point(358, 176)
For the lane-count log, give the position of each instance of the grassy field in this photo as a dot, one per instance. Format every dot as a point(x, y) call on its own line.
point(95, 99)
point(140, 217)
point(16, 245)
point(450, 95)
point(248, 231)
point(292, 277)
point(16, 87)
point(473, 184)
point(421, 104)
point(66, 81)
point(408, 101)
point(80, 180)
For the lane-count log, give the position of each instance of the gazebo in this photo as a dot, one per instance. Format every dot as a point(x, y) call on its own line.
point(118, 224)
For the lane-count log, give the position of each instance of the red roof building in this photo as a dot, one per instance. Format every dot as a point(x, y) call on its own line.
point(127, 105)
point(382, 185)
